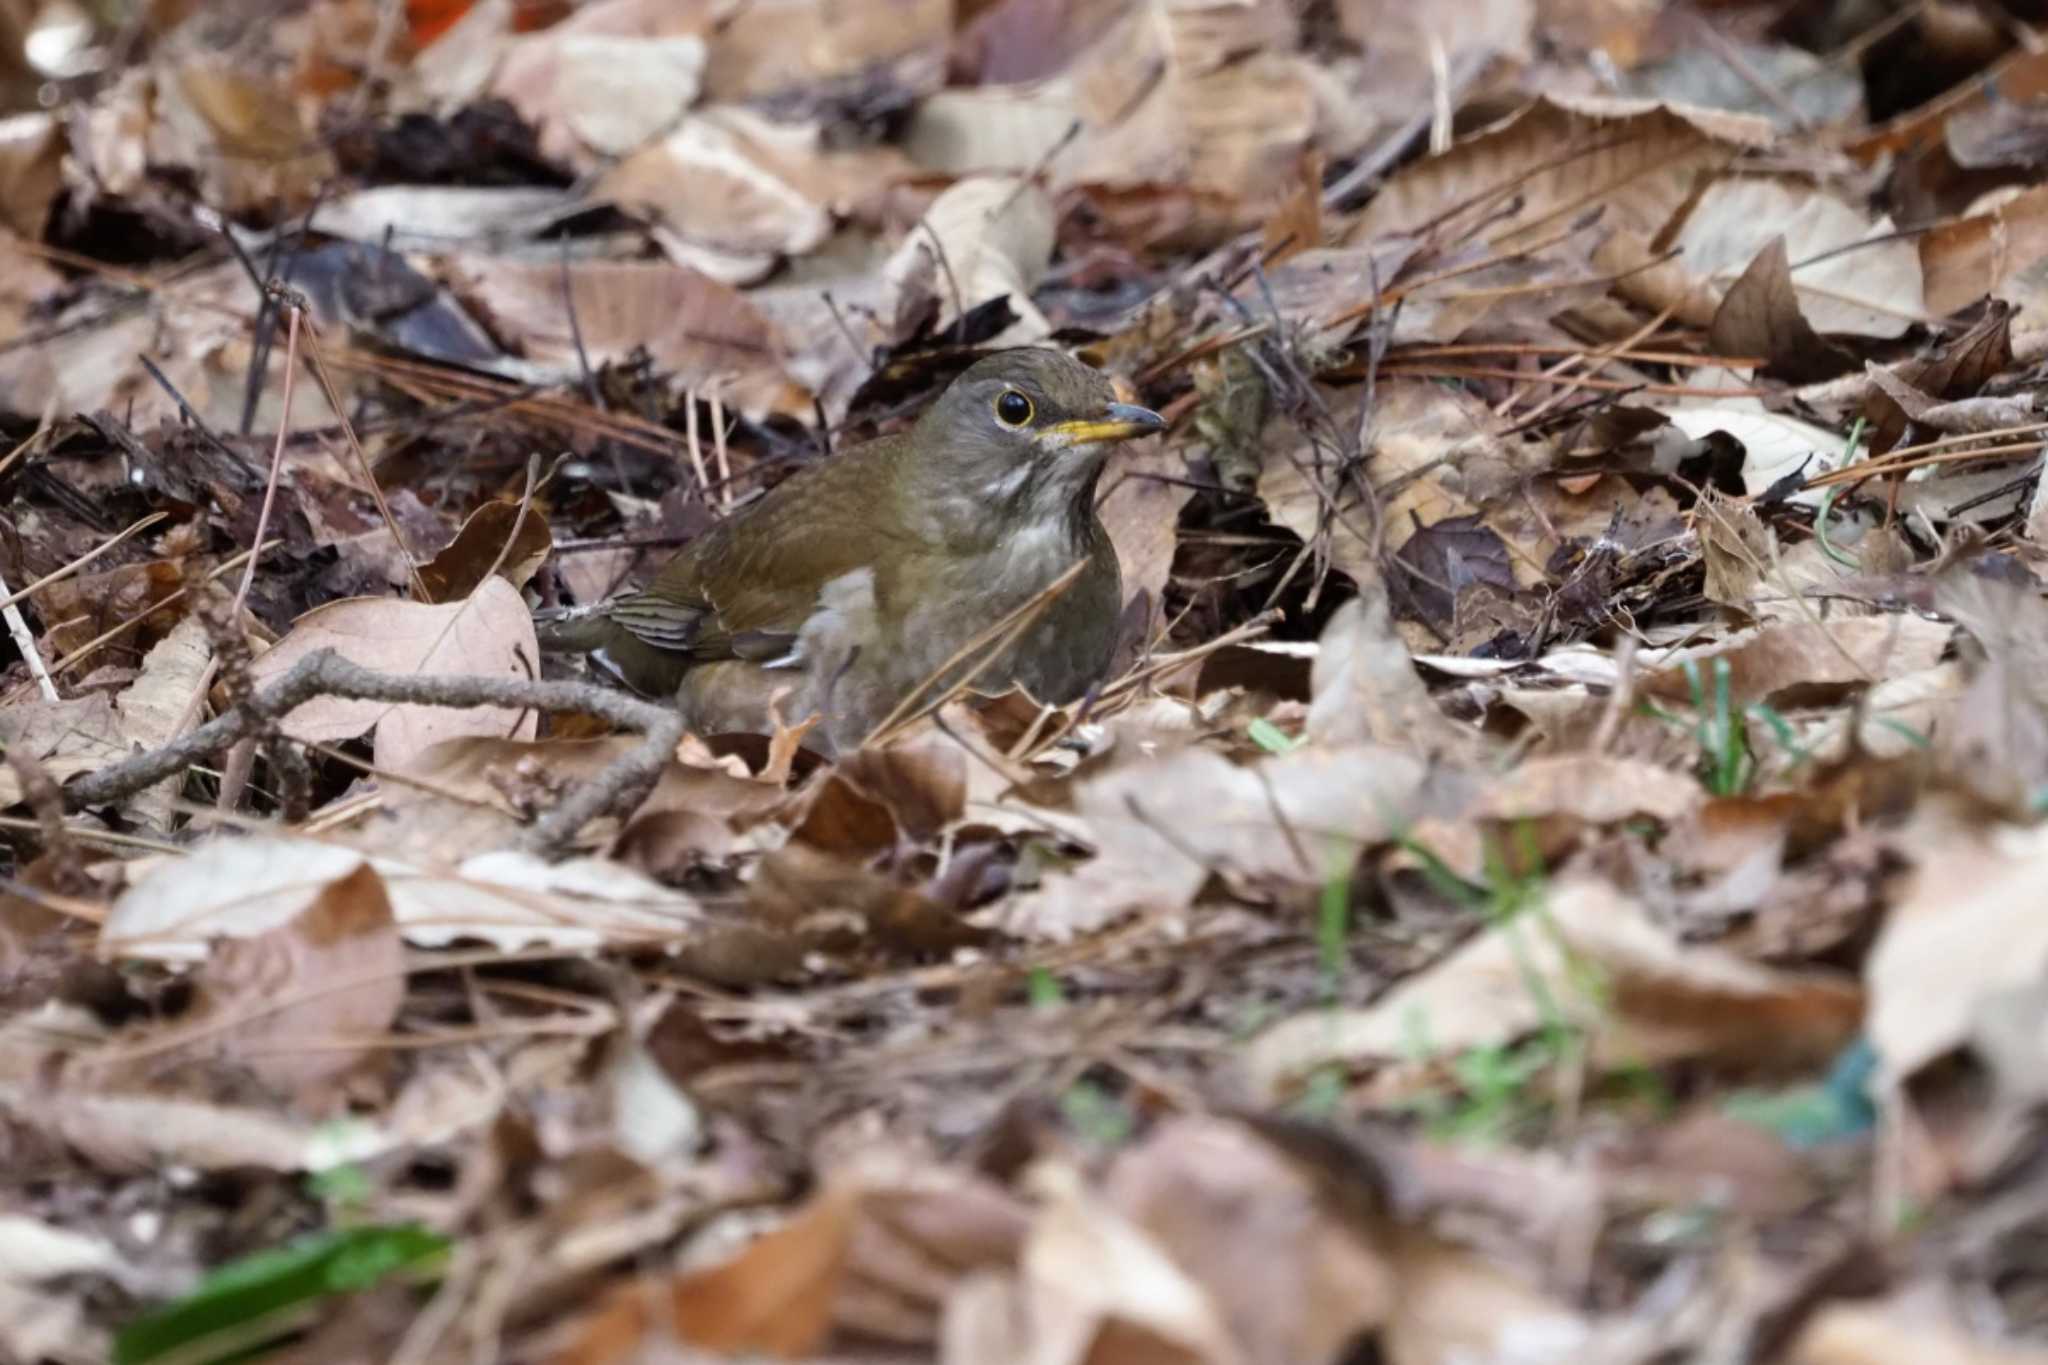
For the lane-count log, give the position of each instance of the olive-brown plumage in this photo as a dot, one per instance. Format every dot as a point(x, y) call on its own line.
point(857, 578)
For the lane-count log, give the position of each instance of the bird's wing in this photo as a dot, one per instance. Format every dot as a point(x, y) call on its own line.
point(745, 588)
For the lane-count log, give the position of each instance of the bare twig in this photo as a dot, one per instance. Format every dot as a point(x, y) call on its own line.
point(327, 674)
point(17, 626)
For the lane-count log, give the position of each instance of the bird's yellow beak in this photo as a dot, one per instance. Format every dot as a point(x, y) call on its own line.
point(1119, 422)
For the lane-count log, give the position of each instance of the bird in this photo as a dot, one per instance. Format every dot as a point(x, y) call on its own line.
point(860, 579)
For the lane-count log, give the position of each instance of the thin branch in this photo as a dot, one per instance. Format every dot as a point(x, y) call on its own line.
point(327, 674)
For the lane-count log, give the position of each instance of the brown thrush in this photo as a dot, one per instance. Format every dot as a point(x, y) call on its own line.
point(861, 577)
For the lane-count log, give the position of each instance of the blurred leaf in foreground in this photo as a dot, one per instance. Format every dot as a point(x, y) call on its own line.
point(259, 1297)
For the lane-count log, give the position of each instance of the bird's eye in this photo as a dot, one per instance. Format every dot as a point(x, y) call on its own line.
point(1013, 409)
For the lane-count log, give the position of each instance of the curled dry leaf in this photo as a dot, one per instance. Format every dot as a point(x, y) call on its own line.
point(488, 633)
point(1595, 957)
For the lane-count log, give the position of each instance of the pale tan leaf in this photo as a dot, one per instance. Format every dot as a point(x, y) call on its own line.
point(597, 95)
point(707, 335)
point(1099, 1290)
point(1527, 176)
point(1162, 826)
point(1594, 956)
point(156, 702)
point(1862, 281)
point(65, 737)
point(490, 633)
point(286, 1003)
point(1291, 1277)
point(240, 888)
point(987, 237)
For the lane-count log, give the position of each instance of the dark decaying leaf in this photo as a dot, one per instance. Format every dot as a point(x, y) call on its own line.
point(1955, 368)
point(1760, 316)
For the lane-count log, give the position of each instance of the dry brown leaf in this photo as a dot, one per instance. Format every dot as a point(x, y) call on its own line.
point(877, 1250)
point(1161, 827)
point(1962, 929)
point(1790, 663)
point(1957, 367)
point(303, 1003)
point(140, 1132)
point(434, 217)
point(238, 128)
point(753, 55)
point(31, 155)
point(1202, 104)
point(502, 771)
point(157, 703)
point(498, 537)
point(240, 888)
point(1760, 316)
point(1455, 1304)
point(1432, 455)
point(26, 282)
point(65, 737)
point(490, 633)
point(705, 334)
point(1291, 1277)
point(1976, 255)
point(1997, 747)
point(1643, 998)
point(1092, 1289)
point(735, 192)
point(773, 1299)
point(1141, 511)
point(595, 95)
point(987, 237)
point(1363, 688)
point(1526, 177)
point(1896, 1328)
point(1848, 275)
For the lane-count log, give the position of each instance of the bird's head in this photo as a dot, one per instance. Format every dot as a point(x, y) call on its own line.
point(1024, 433)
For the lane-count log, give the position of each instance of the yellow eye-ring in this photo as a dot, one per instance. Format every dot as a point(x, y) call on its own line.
point(1013, 409)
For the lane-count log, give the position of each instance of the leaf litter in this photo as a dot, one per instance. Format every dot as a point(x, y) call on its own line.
point(1550, 875)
